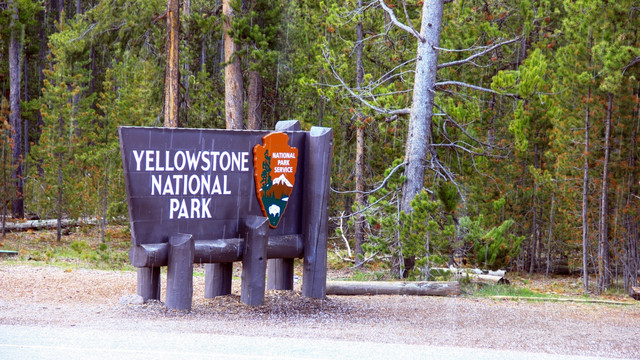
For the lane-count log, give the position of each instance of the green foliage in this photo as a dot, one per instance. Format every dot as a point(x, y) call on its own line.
point(507, 290)
point(498, 247)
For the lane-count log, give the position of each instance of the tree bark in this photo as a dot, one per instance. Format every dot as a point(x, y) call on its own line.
point(172, 70)
point(553, 202)
point(233, 83)
point(186, 11)
point(17, 154)
point(426, 288)
point(60, 10)
point(419, 137)
point(585, 198)
point(254, 101)
point(60, 157)
point(603, 244)
point(360, 196)
point(631, 253)
point(534, 221)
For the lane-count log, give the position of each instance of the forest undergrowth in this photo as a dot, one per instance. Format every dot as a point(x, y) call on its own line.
point(81, 247)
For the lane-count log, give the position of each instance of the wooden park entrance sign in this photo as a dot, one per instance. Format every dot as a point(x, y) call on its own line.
point(221, 196)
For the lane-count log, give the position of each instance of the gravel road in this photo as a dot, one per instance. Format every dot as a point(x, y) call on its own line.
point(89, 299)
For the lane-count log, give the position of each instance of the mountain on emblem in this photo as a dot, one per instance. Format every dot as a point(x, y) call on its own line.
point(275, 164)
point(282, 180)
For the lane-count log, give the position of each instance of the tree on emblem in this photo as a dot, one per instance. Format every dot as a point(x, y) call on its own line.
point(266, 171)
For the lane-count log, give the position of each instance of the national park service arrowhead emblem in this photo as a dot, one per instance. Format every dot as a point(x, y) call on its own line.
point(275, 164)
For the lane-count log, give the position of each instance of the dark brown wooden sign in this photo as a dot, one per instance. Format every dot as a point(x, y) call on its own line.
point(195, 196)
point(200, 182)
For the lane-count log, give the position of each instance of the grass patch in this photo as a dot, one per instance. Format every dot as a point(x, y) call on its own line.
point(504, 290)
point(81, 247)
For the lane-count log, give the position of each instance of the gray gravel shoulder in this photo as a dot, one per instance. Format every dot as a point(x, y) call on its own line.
point(49, 296)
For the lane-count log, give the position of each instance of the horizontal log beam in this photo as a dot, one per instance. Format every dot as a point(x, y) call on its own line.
point(217, 251)
point(423, 288)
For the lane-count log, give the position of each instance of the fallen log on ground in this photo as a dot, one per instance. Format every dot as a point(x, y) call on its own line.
point(46, 224)
point(422, 288)
point(635, 292)
point(491, 279)
point(476, 275)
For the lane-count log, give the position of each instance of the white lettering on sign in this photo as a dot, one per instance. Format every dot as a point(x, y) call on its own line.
point(201, 175)
point(185, 160)
point(280, 170)
point(283, 155)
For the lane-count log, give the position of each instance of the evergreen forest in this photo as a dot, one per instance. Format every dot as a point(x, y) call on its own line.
point(498, 134)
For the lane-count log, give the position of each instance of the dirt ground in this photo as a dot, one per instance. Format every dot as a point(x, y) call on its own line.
point(90, 298)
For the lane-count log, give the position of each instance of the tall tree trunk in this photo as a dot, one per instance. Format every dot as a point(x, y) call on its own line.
point(604, 278)
point(585, 198)
point(233, 98)
point(631, 217)
point(553, 203)
point(254, 101)
point(25, 133)
point(419, 135)
point(186, 11)
point(60, 157)
point(60, 10)
point(534, 210)
point(17, 154)
point(172, 70)
point(360, 196)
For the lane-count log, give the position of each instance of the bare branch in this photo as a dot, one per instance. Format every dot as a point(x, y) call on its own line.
point(476, 55)
point(633, 62)
point(365, 102)
point(444, 172)
point(344, 238)
point(89, 28)
point(455, 123)
point(406, 16)
point(115, 28)
point(397, 22)
point(361, 210)
point(474, 87)
point(382, 184)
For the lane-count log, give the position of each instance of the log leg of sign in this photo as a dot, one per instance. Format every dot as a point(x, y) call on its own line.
point(180, 272)
point(217, 279)
point(316, 200)
point(149, 283)
point(254, 260)
point(280, 274)
point(148, 274)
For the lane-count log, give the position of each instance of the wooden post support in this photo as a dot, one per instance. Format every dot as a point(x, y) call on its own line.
point(280, 271)
point(217, 279)
point(149, 283)
point(254, 260)
point(317, 177)
point(180, 272)
point(280, 274)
